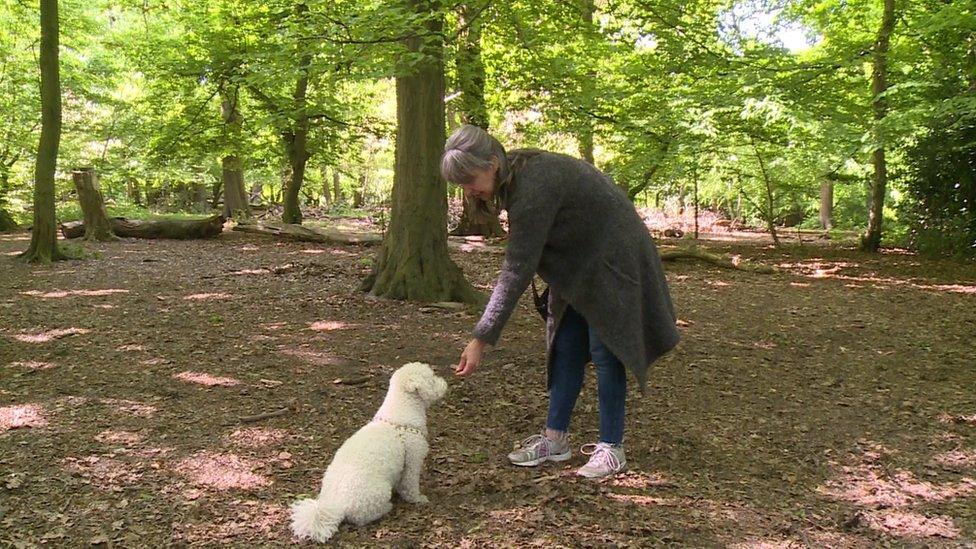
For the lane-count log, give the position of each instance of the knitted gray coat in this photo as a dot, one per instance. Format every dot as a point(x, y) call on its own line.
point(572, 225)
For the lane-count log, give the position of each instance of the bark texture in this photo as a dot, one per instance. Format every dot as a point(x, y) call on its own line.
point(414, 262)
point(236, 205)
point(44, 237)
point(178, 229)
point(97, 226)
point(871, 240)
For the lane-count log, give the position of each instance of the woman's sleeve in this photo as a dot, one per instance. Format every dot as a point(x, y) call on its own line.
point(529, 221)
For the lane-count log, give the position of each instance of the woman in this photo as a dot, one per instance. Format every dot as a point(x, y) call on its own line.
point(609, 299)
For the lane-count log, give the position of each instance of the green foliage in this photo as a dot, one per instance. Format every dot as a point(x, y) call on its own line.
point(670, 94)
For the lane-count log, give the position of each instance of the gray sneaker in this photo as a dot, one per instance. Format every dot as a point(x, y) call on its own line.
point(605, 460)
point(538, 449)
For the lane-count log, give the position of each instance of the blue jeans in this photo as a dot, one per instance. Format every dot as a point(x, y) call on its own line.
point(575, 344)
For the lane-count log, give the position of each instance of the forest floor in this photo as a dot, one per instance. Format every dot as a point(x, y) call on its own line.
point(831, 404)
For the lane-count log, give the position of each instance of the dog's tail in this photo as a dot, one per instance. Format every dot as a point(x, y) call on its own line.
point(314, 519)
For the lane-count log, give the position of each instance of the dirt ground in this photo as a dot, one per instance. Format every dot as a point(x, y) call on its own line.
point(831, 404)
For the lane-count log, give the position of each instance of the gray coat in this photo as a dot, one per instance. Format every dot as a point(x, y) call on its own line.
point(572, 225)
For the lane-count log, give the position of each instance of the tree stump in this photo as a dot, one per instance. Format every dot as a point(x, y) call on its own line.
point(7, 222)
point(97, 225)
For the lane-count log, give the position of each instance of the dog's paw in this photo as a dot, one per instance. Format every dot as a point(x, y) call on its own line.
point(420, 499)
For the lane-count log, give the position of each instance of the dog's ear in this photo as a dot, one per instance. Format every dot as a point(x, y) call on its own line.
point(412, 383)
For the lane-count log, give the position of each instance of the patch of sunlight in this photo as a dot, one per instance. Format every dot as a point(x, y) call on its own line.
point(44, 337)
point(274, 325)
point(22, 415)
point(249, 248)
point(32, 365)
point(717, 283)
point(102, 471)
point(958, 418)
point(954, 288)
point(957, 459)
point(213, 296)
point(256, 437)
point(206, 379)
point(869, 483)
point(517, 514)
point(800, 284)
point(649, 501)
point(71, 293)
point(766, 544)
point(125, 438)
point(221, 471)
point(251, 272)
point(317, 358)
point(244, 520)
point(130, 347)
point(905, 524)
point(640, 481)
point(103, 306)
point(12, 254)
point(130, 407)
point(314, 251)
point(330, 325)
point(15, 238)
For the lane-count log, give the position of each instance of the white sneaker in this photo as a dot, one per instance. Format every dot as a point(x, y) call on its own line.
point(538, 449)
point(605, 460)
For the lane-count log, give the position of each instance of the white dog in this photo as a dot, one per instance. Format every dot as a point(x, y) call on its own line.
point(385, 454)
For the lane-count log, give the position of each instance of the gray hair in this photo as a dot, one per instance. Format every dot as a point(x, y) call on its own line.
point(469, 150)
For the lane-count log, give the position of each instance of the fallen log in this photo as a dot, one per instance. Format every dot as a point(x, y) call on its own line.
point(714, 259)
point(178, 229)
point(300, 233)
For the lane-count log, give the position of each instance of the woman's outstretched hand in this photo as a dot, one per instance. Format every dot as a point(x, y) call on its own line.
point(470, 357)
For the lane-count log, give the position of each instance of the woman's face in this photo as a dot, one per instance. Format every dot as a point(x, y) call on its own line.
point(482, 186)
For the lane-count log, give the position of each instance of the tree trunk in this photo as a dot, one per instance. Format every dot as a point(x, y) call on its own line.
point(871, 240)
point(44, 245)
point(97, 226)
point(326, 191)
point(769, 212)
point(179, 229)
point(236, 205)
point(299, 233)
point(359, 193)
point(413, 262)
point(7, 222)
point(826, 205)
point(296, 139)
point(336, 185)
point(586, 131)
point(471, 69)
point(473, 110)
point(694, 176)
point(132, 191)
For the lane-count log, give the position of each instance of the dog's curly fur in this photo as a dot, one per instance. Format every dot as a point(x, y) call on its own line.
point(384, 455)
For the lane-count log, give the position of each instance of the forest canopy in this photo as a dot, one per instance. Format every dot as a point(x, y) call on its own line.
point(765, 113)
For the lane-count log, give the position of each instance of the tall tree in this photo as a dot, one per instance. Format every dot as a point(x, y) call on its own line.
point(44, 245)
point(871, 240)
point(470, 71)
point(413, 262)
point(236, 203)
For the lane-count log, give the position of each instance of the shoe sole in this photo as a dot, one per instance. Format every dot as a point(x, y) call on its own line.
point(533, 463)
point(621, 470)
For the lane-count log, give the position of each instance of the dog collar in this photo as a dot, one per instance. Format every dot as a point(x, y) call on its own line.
point(402, 427)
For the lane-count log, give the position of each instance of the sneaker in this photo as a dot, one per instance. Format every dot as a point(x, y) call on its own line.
point(538, 449)
point(605, 460)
